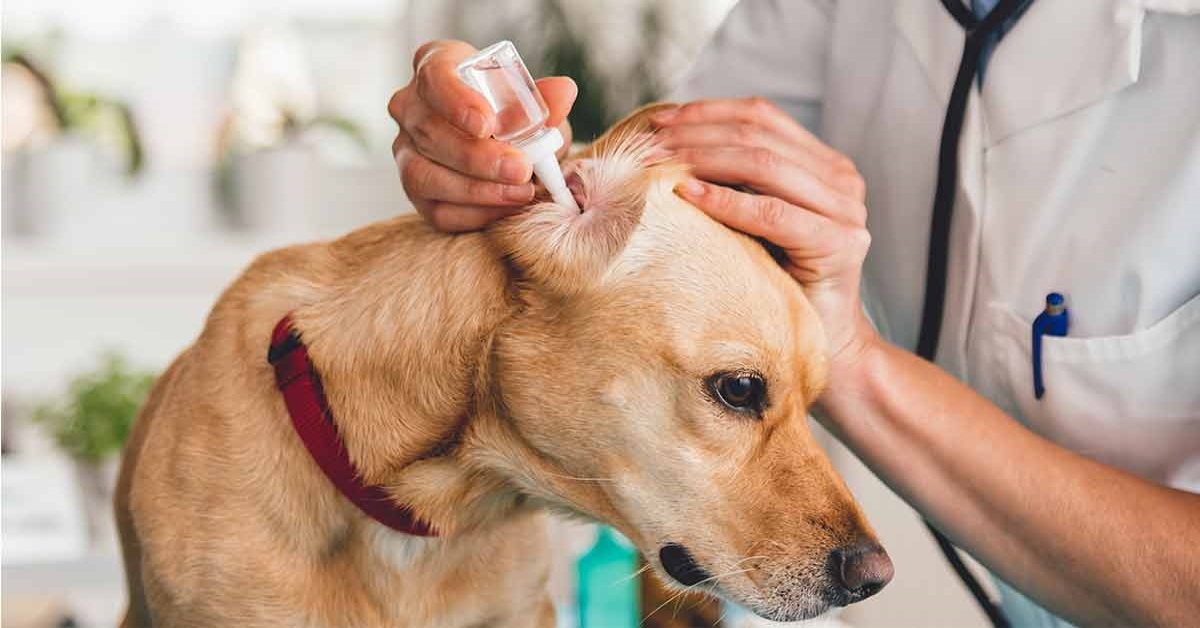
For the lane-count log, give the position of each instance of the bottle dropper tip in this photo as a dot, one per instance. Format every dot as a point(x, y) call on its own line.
point(550, 174)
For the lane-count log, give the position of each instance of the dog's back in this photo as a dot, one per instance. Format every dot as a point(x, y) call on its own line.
point(138, 614)
point(224, 518)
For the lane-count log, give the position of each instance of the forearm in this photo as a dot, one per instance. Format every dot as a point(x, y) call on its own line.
point(1092, 543)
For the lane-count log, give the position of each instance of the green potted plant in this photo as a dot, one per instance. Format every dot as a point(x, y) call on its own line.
point(90, 424)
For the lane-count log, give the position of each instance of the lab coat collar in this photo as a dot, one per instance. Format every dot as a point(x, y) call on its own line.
point(935, 39)
point(1058, 58)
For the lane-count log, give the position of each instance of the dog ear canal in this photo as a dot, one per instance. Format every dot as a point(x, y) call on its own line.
point(562, 251)
point(566, 251)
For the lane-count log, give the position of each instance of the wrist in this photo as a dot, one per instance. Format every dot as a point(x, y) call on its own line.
point(852, 370)
point(851, 356)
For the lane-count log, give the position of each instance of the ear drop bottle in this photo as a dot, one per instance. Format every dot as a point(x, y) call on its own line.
point(498, 73)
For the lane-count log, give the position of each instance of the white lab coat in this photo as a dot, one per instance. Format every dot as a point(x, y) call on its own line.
point(1079, 172)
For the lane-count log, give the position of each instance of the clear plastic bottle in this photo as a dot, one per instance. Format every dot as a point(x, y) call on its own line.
point(498, 73)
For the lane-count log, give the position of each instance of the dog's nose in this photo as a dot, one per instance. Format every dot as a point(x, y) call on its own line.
point(862, 569)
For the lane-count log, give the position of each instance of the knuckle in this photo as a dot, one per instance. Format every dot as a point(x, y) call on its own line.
point(416, 177)
point(760, 106)
point(424, 208)
point(426, 81)
point(422, 133)
point(438, 52)
point(396, 105)
point(721, 199)
point(693, 108)
point(438, 217)
point(667, 136)
point(847, 211)
point(725, 199)
point(483, 191)
point(770, 212)
point(745, 133)
point(853, 185)
point(843, 164)
point(847, 178)
point(858, 213)
point(404, 157)
point(859, 242)
point(424, 52)
point(858, 184)
point(404, 162)
point(763, 159)
point(480, 162)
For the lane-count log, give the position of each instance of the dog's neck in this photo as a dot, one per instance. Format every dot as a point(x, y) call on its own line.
point(401, 348)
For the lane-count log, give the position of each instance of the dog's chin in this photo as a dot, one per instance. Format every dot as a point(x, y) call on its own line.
point(809, 607)
point(792, 611)
point(789, 616)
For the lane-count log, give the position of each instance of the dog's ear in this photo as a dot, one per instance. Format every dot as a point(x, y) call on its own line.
point(565, 251)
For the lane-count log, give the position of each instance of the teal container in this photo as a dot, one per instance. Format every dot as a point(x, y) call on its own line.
point(608, 592)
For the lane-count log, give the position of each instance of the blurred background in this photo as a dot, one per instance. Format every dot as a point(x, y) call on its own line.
point(151, 148)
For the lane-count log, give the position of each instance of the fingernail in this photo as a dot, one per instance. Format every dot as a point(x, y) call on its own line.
point(665, 116)
point(691, 188)
point(513, 169)
point(473, 123)
point(518, 193)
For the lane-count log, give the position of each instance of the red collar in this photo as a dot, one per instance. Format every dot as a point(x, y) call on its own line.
point(300, 384)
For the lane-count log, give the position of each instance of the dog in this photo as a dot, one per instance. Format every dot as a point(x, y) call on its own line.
point(635, 364)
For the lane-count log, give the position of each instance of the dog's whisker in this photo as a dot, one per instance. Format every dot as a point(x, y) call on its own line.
point(741, 468)
point(660, 606)
point(675, 611)
point(733, 572)
point(635, 574)
point(689, 589)
point(577, 478)
point(736, 563)
point(698, 602)
point(772, 542)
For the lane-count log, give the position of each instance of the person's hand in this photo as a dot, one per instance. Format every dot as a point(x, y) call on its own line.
point(810, 201)
point(456, 175)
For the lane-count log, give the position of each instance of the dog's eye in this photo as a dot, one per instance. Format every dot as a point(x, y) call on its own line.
point(744, 392)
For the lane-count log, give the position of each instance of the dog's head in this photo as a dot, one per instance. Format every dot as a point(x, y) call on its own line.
point(657, 378)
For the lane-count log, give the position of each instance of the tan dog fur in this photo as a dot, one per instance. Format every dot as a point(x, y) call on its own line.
point(556, 361)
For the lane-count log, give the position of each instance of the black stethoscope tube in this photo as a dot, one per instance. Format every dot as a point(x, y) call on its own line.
point(977, 35)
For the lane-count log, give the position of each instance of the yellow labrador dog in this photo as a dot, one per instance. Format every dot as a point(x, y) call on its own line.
point(369, 431)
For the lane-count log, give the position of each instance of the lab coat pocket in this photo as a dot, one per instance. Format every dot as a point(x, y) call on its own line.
point(1132, 401)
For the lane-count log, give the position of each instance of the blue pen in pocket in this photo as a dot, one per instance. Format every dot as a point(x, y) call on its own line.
point(1053, 321)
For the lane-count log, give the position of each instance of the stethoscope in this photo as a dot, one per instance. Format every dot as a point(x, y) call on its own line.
point(978, 34)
